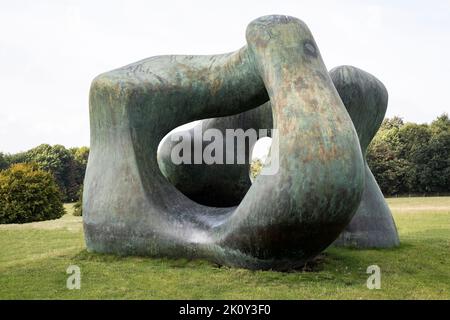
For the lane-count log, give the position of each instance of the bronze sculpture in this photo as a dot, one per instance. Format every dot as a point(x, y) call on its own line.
point(284, 219)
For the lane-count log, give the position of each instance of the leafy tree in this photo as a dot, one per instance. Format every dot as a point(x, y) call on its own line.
point(441, 124)
point(411, 158)
point(413, 148)
point(81, 155)
point(27, 194)
point(390, 123)
point(20, 157)
point(78, 206)
point(57, 160)
point(67, 166)
point(4, 163)
point(438, 155)
point(389, 170)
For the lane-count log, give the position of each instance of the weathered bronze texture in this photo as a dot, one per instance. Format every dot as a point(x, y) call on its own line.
point(365, 99)
point(284, 219)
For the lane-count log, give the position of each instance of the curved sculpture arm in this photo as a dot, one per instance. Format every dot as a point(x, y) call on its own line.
point(321, 172)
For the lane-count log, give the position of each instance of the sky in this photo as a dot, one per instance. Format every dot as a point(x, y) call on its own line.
point(51, 50)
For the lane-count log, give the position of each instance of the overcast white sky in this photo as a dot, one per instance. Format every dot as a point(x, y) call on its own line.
point(51, 50)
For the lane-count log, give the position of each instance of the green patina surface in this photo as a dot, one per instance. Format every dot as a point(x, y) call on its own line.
point(365, 99)
point(284, 219)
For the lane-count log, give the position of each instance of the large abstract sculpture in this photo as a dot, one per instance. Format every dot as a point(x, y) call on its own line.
point(365, 99)
point(284, 219)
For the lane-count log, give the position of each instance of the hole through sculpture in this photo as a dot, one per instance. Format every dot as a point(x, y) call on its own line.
point(226, 183)
point(284, 219)
point(260, 154)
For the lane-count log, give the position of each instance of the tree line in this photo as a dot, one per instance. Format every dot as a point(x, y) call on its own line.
point(67, 166)
point(410, 158)
point(405, 158)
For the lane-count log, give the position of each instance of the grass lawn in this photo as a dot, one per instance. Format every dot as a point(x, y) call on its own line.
point(34, 258)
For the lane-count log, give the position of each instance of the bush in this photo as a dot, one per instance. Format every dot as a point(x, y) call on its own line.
point(28, 194)
point(78, 206)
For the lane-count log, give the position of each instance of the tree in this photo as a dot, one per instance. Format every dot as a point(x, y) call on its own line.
point(390, 123)
point(57, 160)
point(441, 124)
point(20, 157)
point(27, 194)
point(438, 154)
point(80, 155)
point(411, 158)
point(389, 170)
point(67, 166)
point(413, 148)
point(78, 206)
point(4, 163)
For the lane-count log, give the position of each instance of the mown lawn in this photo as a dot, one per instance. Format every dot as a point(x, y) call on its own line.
point(34, 258)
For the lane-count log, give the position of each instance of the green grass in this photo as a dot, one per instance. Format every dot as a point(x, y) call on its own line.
point(34, 258)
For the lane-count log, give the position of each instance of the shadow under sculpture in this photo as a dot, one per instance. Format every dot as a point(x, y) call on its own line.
point(284, 219)
point(365, 99)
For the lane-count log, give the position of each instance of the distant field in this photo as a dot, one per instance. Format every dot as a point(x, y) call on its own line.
point(419, 204)
point(34, 258)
